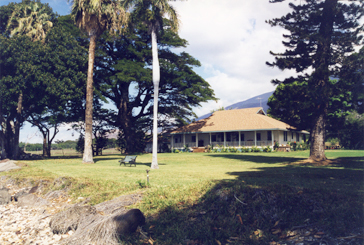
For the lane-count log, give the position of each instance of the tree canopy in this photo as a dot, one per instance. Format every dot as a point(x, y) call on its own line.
point(124, 77)
point(39, 81)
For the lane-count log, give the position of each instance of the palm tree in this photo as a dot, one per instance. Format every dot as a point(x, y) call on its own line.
point(32, 19)
point(152, 12)
point(94, 17)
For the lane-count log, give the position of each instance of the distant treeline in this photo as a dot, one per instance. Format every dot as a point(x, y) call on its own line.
point(69, 144)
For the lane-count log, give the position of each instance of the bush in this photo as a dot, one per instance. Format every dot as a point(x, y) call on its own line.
point(80, 144)
point(232, 149)
point(276, 145)
point(267, 149)
point(294, 146)
point(255, 149)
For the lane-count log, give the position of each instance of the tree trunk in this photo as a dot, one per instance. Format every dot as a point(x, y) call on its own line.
point(2, 140)
point(87, 153)
point(321, 79)
point(317, 138)
point(12, 131)
point(44, 143)
point(156, 79)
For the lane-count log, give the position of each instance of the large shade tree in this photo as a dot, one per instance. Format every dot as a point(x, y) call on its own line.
point(321, 34)
point(152, 12)
point(31, 19)
point(124, 76)
point(94, 17)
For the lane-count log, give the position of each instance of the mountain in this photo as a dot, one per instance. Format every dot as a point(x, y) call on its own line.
point(257, 101)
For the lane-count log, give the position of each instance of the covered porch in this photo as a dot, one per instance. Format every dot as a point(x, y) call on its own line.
point(256, 138)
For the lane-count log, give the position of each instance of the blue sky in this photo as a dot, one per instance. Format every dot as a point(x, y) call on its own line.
point(231, 40)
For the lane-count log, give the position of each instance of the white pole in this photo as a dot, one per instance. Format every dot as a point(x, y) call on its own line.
point(255, 138)
point(239, 138)
point(224, 139)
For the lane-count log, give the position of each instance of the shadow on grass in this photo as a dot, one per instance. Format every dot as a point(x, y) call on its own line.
point(259, 207)
point(258, 158)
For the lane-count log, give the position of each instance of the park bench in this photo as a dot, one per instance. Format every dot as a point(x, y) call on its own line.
point(128, 160)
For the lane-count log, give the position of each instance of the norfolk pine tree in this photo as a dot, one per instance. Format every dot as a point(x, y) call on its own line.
point(321, 34)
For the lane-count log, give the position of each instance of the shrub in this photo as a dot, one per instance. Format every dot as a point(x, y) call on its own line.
point(267, 149)
point(294, 146)
point(232, 149)
point(255, 149)
point(276, 145)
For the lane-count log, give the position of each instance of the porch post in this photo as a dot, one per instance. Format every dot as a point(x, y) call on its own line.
point(255, 138)
point(184, 140)
point(239, 138)
point(272, 139)
point(172, 146)
point(210, 140)
point(224, 139)
point(196, 139)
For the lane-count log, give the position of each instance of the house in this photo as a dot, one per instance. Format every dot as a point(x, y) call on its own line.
point(236, 128)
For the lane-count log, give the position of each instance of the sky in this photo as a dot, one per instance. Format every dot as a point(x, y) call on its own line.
point(231, 40)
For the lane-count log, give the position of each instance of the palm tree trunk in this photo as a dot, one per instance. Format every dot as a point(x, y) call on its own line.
point(156, 79)
point(87, 153)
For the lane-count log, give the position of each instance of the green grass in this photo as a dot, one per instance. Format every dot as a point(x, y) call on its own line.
point(192, 197)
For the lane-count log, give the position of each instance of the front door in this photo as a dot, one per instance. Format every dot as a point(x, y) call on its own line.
point(200, 143)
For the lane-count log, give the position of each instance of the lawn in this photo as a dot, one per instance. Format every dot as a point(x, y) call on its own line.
point(212, 198)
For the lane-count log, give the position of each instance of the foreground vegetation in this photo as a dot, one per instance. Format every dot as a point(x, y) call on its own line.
point(249, 198)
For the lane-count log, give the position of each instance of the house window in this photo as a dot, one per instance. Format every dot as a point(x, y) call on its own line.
point(242, 137)
point(235, 136)
point(297, 137)
point(193, 138)
point(304, 138)
point(269, 135)
point(177, 139)
point(213, 138)
point(221, 137)
point(228, 136)
point(258, 136)
point(285, 136)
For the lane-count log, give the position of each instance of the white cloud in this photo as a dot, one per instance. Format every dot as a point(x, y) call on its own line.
point(232, 41)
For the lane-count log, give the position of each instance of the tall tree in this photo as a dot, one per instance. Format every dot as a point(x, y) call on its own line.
point(94, 17)
point(124, 76)
point(152, 13)
point(321, 34)
point(38, 21)
point(64, 64)
point(31, 18)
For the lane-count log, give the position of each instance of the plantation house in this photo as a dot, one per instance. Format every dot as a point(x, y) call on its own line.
point(236, 128)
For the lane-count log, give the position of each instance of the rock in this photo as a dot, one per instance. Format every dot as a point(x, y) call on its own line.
point(70, 219)
point(31, 200)
point(19, 194)
point(117, 205)
point(33, 189)
point(5, 197)
point(55, 194)
point(8, 165)
point(129, 222)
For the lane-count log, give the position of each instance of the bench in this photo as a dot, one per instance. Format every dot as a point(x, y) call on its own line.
point(128, 160)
